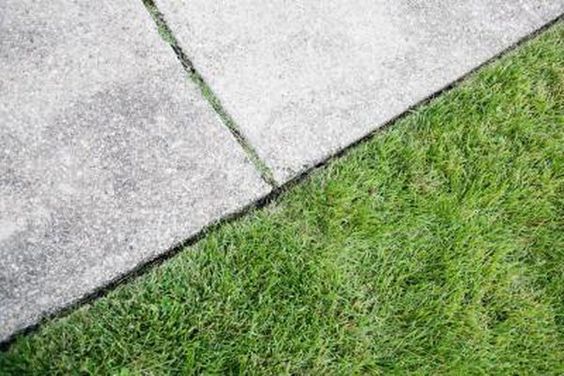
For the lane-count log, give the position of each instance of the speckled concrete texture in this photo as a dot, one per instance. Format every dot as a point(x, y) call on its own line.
point(108, 154)
point(303, 79)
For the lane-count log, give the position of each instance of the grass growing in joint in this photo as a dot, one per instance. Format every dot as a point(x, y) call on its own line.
point(162, 28)
point(436, 247)
point(228, 122)
point(167, 35)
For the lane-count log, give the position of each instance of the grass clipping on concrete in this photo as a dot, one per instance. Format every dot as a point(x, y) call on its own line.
point(436, 247)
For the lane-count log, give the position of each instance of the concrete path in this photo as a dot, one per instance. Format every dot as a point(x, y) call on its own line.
point(304, 79)
point(109, 155)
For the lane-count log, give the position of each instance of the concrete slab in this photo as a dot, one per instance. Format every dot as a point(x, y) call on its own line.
point(304, 79)
point(108, 154)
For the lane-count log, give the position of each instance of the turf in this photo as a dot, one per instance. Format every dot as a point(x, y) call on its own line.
point(437, 247)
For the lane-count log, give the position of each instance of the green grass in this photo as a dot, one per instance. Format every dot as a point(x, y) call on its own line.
point(435, 248)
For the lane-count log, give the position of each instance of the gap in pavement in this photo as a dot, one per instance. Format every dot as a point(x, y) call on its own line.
point(167, 35)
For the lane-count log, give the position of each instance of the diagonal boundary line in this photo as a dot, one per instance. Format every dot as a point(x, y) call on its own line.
point(145, 266)
point(168, 36)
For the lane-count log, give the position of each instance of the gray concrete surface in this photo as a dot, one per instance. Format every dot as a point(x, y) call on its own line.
point(108, 155)
point(304, 79)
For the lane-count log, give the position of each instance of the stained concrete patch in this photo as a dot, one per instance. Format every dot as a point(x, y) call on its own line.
point(304, 79)
point(108, 154)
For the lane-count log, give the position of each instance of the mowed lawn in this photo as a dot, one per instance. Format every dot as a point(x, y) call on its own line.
point(437, 247)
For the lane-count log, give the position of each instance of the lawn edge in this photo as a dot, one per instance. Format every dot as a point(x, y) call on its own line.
point(146, 265)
